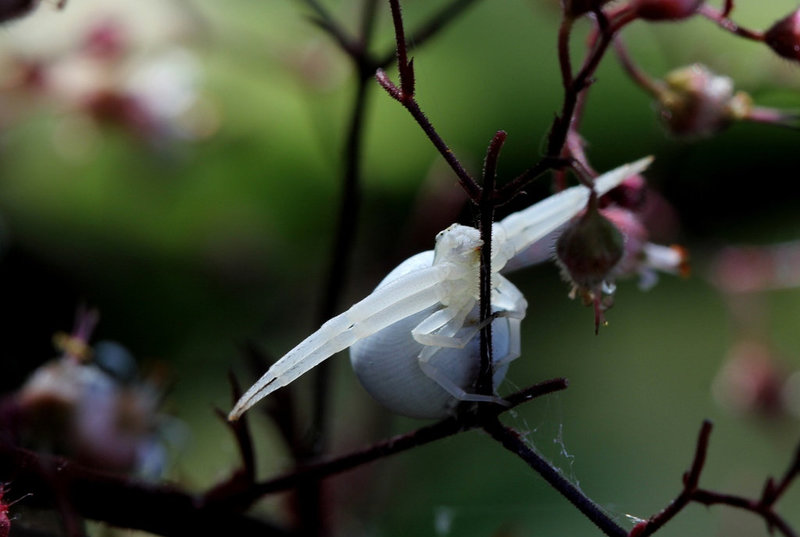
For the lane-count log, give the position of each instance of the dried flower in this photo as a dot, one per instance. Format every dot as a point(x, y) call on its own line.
point(697, 102)
point(587, 251)
point(590, 248)
point(606, 244)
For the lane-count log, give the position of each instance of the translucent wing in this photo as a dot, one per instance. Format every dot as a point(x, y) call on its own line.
point(404, 296)
point(519, 230)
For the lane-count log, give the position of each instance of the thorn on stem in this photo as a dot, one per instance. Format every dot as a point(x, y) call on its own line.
point(407, 79)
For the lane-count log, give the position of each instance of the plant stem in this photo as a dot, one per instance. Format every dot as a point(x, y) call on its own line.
point(405, 96)
point(721, 18)
point(486, 207)
point(429, 29)
point(511, 440)
point(448, 427)
point(690, 482)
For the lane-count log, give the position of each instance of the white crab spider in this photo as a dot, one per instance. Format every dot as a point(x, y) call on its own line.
point(410, 335)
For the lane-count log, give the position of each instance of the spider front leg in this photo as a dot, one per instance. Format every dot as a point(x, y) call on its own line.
point(440, 328)
point(406, 296)
point(454, 367)
point(452, 332)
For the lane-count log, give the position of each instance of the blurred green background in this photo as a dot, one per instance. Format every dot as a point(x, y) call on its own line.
point(192, 247)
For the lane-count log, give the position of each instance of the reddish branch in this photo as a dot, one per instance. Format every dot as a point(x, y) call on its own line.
point(763, 506)
point(484, 384)
point(721, 18)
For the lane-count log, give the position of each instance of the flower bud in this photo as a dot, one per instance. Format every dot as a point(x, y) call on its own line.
point(665, 10)
point(590, 248)
point(751, 380)
point(630, 194)
point(697, 102)
point(784, 36)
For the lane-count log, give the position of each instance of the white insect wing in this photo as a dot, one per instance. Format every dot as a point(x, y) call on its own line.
point(412, 340)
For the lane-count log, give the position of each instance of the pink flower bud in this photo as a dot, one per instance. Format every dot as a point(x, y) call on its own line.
point(784, 36)
point(751, 380)
point(106, 40)
point(590, 248)
point(5, 522)
point(697, 102)
point(665, 10)
point(642, 257)
point(630, 194)
point(122, 110)
point(635, 236)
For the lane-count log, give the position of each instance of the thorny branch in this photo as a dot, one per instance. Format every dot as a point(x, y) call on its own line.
point(486, 209)
point(405, 95)
point(461, 422)
point(763, 506)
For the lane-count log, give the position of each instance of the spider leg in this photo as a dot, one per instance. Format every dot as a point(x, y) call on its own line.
point(438, 376)
point(507, 299)
point(446, 337)
point(514, 346)
point(439, 328)
point(386, 305)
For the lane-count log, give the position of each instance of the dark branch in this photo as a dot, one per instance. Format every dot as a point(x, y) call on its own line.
point(690, 481)
point(511, 440)
point(120, 501)
point(405, 96)
point(486, 208)
point(429, 29)
point(323, 18)
point(460, 423)
point(691, 492)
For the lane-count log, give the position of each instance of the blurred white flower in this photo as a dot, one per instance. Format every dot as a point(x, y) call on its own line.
point(126, 64)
